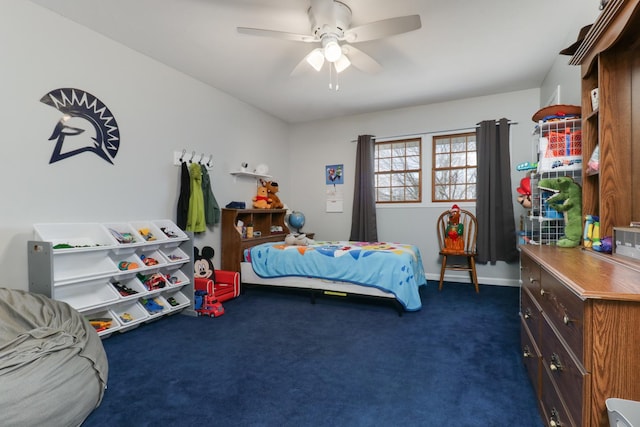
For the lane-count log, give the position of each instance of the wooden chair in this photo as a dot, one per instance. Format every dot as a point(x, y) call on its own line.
point(463, 249)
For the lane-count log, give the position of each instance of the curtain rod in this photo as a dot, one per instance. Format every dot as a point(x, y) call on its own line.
point(433, 131)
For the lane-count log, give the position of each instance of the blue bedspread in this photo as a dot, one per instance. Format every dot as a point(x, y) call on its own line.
point(393, 267)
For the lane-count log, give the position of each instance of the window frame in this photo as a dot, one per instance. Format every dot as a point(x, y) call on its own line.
point(435, 169)
point(419, 170)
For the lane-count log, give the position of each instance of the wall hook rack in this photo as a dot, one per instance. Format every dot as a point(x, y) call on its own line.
point(180, 157)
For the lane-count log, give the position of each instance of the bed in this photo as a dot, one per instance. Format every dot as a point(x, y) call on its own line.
point(343, 268)
point(53, 367)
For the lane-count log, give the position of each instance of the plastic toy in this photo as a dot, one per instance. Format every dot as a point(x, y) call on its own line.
point(527, 166)
point(524, 191)
point(211, 307)
point(567, 198)
point(453, 240)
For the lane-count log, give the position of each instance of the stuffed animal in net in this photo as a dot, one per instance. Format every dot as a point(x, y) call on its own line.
point(453, 235)
point(262, 200)
point(272, 189)
point(566, 198)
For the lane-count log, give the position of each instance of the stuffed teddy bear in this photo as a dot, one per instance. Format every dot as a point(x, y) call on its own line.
point(272, 189)
point(262, 200)
point(298, 240)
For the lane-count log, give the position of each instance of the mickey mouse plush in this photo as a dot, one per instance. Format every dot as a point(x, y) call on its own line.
point(203, 263)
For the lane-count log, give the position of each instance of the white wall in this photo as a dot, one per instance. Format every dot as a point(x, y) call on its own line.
point(316, 144)
point(158, 111)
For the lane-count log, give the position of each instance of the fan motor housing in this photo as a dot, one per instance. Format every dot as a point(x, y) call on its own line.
point(335, 25)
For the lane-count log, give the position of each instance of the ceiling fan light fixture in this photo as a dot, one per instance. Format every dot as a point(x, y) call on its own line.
point(332, 50)
point(316, 59)
point(342, 64)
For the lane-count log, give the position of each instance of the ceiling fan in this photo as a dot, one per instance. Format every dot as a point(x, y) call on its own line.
point(331, 28)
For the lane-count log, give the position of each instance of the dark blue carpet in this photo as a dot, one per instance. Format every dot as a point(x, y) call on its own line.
point(274, 359)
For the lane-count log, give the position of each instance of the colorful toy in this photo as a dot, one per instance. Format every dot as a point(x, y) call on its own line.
point(272, 189)
point(591, 233)
point(527, 166)
point(453, 241)
point(211, 307)
point(262, 200)
point(298, 240)
point(203, 263)
point(567, 198)
point(525, 192)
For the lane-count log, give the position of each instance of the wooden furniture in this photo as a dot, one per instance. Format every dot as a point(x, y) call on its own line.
point(465, 249)
point(610, 61)
point(269, 223)
point(580, 313)
point(84, 265)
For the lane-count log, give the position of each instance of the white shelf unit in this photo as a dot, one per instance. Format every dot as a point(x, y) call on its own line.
point(109, 270)
point(556, 158)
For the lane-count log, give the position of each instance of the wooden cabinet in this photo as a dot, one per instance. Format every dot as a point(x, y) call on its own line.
point(123, 274)
point(580, 312)
point(269, 224)
point(610, 61)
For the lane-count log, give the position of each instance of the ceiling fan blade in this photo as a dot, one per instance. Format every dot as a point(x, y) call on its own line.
point(306, 64)
point(384, 28)
point(361, 60)
point(277, 34)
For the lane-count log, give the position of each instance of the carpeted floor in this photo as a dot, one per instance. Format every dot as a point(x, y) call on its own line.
point(274, 359)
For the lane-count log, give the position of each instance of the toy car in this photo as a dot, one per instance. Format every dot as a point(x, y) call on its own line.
point(211, 307)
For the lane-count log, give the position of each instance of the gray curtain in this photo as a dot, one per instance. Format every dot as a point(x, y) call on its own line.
point(494, 205)
point(363, 220)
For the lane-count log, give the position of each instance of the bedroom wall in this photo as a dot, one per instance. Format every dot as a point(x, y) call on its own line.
point(158, 111)
point(314, 145)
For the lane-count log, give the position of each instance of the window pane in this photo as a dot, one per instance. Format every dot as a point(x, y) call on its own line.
point(455, 167)
point(443, 160)
point(442, 147)
point(398, 165)
point(459, 159)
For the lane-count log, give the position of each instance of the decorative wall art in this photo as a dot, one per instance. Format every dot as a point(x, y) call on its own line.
point(334, 174)
point(82, 112)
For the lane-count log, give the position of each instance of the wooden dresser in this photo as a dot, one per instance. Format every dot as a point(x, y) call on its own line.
point(580, 332)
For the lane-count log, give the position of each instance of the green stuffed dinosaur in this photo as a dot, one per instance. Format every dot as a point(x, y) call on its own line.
point(567, 198)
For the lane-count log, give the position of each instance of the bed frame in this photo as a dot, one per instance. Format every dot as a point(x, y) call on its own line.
point(319, 287)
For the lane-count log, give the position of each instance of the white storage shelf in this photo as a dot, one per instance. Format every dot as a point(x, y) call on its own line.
point(96, 268)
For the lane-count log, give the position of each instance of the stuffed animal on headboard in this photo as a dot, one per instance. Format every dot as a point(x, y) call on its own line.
point(262, 200)
point(272, 189)
point(203, 263)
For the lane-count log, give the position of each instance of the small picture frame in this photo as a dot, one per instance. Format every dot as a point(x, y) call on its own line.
point(334, 174)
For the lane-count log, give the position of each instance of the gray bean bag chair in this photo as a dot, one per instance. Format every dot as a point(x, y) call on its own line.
point(53, 367)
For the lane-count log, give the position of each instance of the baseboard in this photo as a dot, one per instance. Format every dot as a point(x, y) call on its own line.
point(464, 278)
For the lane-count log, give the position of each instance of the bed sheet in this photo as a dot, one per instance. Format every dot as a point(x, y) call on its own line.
point(393, 267)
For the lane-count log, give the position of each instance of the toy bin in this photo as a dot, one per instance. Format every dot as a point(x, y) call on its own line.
point(125, 236)
point(175, 257)
point(156, 306)
point(176, 301)
point(86, 295)
point(150, 234)
point(151, 260)
point(130, 315)
point(129, 289)
point(69, 267)
point(177, 279)
point(104, 322)
point(623, 413)
point(78, 236)
point(127, 264)
point(173, 233)
point(626, 242)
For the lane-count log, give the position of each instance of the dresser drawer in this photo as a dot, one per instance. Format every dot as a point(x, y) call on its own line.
point(565, 310)
point(531, 358)
point(567, 373)
point(530, 274)
point(555, 412)
point(530, 312)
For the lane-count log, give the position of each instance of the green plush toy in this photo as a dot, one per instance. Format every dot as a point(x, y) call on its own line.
point(567, 198)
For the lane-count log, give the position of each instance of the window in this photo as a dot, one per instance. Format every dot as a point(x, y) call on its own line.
point(455, 171)
point(398, 171)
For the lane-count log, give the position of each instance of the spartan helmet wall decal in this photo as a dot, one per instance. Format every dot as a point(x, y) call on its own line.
point(80, 108)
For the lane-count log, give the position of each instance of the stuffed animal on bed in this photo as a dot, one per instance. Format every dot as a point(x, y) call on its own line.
point(262, 200)
point(272, 189)
point(298, 240)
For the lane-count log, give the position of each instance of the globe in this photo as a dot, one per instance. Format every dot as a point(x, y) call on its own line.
point(296, 220)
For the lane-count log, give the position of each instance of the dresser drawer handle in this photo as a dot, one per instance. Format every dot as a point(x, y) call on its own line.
point(526, 352)
point(566, 319)
point(555, 364)
point(542, 292)
point(527, 313)
point(532, 280)
point(554, 419)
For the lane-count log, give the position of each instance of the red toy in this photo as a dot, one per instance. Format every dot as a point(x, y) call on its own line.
point(211, 307)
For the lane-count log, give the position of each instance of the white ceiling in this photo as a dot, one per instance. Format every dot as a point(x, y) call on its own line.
point(465, 48)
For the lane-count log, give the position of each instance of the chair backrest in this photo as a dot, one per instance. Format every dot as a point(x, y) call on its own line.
point(470, 227)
